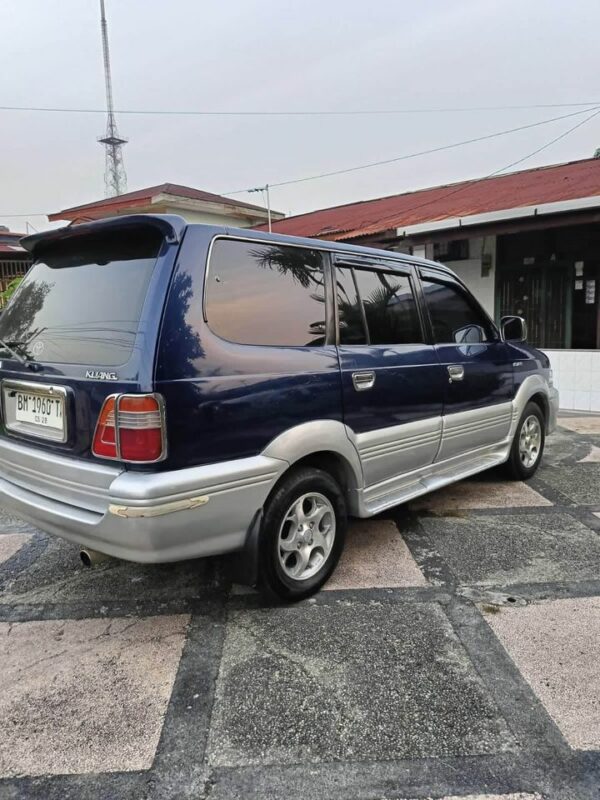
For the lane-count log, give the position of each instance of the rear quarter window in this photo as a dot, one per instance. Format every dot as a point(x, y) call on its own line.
point(265, 294)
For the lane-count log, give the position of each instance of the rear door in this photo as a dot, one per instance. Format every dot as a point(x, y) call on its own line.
point(477, 367)
point(81, 326)
point(392, 382)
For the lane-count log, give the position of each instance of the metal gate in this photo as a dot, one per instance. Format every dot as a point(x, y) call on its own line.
point(542, 295)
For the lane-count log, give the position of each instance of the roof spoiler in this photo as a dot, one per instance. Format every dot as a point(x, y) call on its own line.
point(170, 225)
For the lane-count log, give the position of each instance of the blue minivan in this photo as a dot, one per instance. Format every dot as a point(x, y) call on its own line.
point(174, 390)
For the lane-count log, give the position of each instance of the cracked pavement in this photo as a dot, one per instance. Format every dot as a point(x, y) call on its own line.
point(454, 654)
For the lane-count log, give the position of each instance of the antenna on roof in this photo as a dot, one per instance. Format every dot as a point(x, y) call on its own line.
point(115, 179)
point(265, 188)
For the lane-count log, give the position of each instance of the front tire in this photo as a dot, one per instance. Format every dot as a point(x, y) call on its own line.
point(302, 535)
point(528, 445)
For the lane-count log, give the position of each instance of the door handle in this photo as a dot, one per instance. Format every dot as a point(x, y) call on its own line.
point(456, 372)
point(363, 381)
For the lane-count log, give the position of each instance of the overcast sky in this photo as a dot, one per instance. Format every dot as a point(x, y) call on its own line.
point(287, 55)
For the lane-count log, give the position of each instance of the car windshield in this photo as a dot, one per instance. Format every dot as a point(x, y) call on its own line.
point(80, 303)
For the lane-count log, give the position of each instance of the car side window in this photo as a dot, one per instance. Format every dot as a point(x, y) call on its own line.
point(351, 315)
point(376, 307)
point(266, 294)
point(455, 318)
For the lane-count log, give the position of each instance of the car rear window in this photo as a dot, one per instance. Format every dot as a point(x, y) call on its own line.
point(80, 303)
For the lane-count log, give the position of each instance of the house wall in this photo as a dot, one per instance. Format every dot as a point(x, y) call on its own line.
point(210, 219)
point(576, 372)
point(577, 378)
point(469, 271)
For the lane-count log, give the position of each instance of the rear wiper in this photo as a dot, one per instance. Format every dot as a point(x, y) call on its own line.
point(21, 359)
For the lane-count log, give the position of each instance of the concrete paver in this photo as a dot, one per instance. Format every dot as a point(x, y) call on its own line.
point(585, 425)
point(515, 548)
point(11, 543)
point(518, 796)
point(556, 645)
point(397, 688)
point(85, 695)
point(58, 574)
point(348, 682)
point(593, 457)
point(375, 555)
point(580, 483)
point(480, 494)
point(11, 524)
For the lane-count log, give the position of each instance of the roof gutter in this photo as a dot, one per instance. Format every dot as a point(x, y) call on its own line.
point(521, 212)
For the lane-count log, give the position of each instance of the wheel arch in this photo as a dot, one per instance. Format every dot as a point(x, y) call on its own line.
point(323, 444)
point(541, 400)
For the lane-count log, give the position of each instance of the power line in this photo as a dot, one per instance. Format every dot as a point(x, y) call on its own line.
point(468, 184)
point(36, 214)
point(430, 151)
point(299, 113)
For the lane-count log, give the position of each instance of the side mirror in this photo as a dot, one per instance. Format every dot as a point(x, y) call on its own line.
point(514, 329)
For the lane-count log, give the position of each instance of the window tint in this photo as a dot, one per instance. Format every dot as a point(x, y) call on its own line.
point(266, 294)
point(80, 303)
point(454, 317)
point(351, 315)
point(388, 308)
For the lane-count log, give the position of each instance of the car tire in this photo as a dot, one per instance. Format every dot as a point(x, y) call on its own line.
point(528, 444)
point(302, 535)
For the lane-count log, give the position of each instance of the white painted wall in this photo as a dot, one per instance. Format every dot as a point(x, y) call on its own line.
point(577, 378)
point(210, 219)
point(469, 271)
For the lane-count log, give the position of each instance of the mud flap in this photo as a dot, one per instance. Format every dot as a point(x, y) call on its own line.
point(244, 564)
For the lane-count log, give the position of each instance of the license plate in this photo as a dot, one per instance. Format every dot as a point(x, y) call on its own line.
point(39, 409)
point(35, 410)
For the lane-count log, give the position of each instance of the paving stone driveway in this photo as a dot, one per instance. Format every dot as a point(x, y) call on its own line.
point(455, 653)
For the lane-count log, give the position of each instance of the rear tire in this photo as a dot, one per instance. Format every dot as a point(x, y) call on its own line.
point(302, 535)
point(528, 444)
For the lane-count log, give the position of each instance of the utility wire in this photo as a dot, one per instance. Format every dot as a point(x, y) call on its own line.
point(300, 113)
point(430, 151)
point(488, 136)
point(469, 184)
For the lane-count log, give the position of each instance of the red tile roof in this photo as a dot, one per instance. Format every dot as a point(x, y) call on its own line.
point(573, 180)
point(9, 242)
point(143, 197)
point(13, 249)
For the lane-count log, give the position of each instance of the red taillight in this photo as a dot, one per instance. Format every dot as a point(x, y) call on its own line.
point(130, 428)
point(105, 440)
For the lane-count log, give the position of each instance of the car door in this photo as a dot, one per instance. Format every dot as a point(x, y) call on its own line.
point(479, 384)
point(392, 382)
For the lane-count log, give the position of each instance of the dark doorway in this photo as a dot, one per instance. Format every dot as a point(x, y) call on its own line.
point(552, 278)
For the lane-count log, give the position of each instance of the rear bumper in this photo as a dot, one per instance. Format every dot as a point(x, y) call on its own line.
point(144, 517)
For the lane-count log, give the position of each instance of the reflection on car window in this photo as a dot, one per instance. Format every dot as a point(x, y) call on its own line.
point(388, 309)
point(266, 294)
point(351, 315)
point(81, 301)
point(455, 319)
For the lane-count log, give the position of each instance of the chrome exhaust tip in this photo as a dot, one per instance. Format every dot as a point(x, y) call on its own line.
point(92, 558)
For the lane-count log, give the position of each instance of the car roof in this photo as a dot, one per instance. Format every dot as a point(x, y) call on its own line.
point(330, 246)
point(173, 227)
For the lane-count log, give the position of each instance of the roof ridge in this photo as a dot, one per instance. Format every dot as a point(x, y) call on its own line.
point(147, 192)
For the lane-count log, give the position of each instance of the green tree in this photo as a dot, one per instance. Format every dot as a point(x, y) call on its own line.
point(10, 290)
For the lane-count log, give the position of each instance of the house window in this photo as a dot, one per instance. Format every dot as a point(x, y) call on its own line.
point(454, 250)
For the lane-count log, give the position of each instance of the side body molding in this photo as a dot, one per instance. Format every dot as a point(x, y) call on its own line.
point(320, 436)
